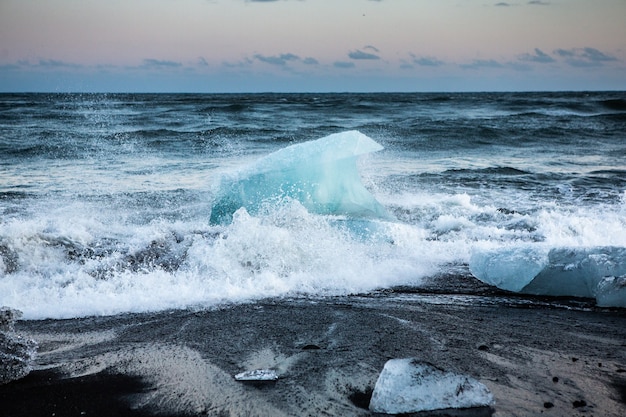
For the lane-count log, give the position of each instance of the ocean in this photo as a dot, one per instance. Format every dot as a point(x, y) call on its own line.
point(106, 199)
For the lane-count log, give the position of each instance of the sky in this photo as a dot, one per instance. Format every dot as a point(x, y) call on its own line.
point(311, 45)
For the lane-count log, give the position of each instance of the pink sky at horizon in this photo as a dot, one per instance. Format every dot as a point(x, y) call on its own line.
point(301, 45)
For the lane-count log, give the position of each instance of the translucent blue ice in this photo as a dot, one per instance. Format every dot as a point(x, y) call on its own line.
point(410, 386)
point(321, 174)
point(596, 272)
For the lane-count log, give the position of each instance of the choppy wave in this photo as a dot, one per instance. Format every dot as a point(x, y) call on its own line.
point(105, 200)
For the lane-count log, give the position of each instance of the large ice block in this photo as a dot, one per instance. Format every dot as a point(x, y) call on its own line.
point(575, 272)
point(321, 174)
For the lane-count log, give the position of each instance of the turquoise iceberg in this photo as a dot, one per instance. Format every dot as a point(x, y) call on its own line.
point(321, 174)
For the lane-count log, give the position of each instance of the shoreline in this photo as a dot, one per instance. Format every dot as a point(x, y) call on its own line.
point(536, 358)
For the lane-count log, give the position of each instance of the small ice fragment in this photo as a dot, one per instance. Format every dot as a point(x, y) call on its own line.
point(410, 386)
point(259, 375)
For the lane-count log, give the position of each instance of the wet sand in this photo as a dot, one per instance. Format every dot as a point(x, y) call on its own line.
point(557, 358)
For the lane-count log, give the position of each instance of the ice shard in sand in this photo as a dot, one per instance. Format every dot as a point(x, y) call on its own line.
point(410, 386)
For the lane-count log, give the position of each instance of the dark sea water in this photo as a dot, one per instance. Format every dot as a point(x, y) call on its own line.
point(105, 199)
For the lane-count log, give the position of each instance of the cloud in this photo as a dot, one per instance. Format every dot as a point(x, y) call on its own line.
point(343, 64)
point(427, 61)
point(201, 62)
point(246, 62)
point(539, 56)
point(53, 63)
point(279, 60)
point(565, 53)
point(371, 48)
point(597, 56)
point(10, 67)
point(538, 3)
point(584, 57)
point(502, 4)
point(159, 64)
point(482, 63)
point(45, 64)
point(310, 61)
point(358, 54)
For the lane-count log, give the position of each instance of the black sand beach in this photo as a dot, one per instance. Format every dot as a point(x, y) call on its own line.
point(556, 358)
point(105, 217)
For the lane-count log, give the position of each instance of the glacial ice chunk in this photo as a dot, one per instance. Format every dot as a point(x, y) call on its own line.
point(258, 375)
point(509, 269)
point(575, 272)
point(321, 174)
point(410, 386)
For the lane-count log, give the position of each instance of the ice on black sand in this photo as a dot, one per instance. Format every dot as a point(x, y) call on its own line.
point(594, 272)
point(410, 386)
point(258, 375)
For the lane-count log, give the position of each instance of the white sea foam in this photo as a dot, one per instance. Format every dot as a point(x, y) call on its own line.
point(77, 258)
point(81, 259)
point(286, 251)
